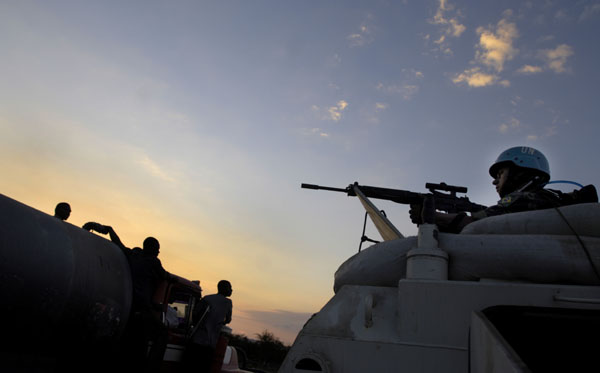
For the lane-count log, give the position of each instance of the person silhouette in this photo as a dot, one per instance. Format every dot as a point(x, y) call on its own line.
point(62, 211)
point(144, 323)
point(211, 314)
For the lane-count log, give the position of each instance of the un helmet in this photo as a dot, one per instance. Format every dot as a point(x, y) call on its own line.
point(525, 157)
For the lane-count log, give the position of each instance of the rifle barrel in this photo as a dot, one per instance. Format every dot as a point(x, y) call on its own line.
point(317, 187)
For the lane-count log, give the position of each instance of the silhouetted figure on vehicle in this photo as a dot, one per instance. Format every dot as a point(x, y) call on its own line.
point(209, 316)
point(145, 323)
point(62, 211)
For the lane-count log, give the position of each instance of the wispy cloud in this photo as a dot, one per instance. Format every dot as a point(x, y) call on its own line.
point(379, 106)
point(333, 113)
point(545, 38)
point(315, 132)
point(511, 124)
point(496, 46)
point(590, 11)
point(448, 20)
point(474, 77)
point(556, 58)
point(407, 91)
point(410, 73)
point(529, 69)
point(364, 35)
point(452, 26)
point(562, 16)
point(494, 49)
point(154, 169)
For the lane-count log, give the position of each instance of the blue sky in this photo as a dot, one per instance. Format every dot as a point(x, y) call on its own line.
point(196, 122)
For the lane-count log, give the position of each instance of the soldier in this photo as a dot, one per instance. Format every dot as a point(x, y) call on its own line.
point(520, 174)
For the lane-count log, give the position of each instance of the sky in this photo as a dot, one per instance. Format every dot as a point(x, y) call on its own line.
point(197, 121)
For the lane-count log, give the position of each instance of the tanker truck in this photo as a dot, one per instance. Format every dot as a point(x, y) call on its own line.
point(66, 294)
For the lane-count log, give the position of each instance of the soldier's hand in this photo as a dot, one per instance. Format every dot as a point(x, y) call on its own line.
point(416, 213)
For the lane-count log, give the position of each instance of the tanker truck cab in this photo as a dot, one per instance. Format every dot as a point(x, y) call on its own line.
point(177, 297)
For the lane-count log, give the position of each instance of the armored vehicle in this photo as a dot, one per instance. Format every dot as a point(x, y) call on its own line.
point(511, 293)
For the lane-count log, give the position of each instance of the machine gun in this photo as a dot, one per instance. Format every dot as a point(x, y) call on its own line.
point(436, 199)
point(447, 202)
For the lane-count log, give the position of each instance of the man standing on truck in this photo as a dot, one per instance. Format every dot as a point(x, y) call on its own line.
point(144, 323)
point(520, 174)
point(210, 315)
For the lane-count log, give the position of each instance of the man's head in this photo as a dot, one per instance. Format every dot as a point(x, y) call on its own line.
point(62, 211)
point(518, 166)
point(151, 246)
point(224, 287)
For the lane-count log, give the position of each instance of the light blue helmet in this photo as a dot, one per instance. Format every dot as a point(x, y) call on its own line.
point(522, 156)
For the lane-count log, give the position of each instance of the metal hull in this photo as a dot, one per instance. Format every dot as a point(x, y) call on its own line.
point(60, 286)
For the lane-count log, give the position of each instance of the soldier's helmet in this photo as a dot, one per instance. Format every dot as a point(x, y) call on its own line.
point(525, 157)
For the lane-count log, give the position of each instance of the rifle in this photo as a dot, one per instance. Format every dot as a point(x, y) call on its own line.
point(447, 202)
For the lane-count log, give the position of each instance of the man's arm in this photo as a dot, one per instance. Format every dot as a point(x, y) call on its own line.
point(452, 223)
point(115, 238)
point(106, 229)
point(229, 311)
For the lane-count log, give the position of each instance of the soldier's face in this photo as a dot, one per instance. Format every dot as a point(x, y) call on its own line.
point(501, 181)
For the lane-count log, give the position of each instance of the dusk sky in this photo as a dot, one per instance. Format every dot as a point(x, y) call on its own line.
point(197, 121)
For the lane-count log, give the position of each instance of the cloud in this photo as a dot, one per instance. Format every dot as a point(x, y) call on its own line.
point(406, 90)
point(556, 59)
point(154, 169)
point(545, 38)
point(364, 35)
point(380, 106)
point(512, 123)
point(589, 11)
point(356, 40)
point(314, 132)
point(475, 78)
point(551, 131)
point(529, 69)
point(496, 47)
point(452, 26)
point(333, 113)
point(561, 16)
point(493, 50)
point(334, 60)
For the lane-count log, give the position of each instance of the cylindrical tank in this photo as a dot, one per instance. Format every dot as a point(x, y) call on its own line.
point(60, 285)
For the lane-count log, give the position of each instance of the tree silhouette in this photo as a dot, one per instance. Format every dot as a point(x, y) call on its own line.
point(265, 354)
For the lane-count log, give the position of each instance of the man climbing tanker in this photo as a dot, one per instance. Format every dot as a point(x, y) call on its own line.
point(512, 287)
